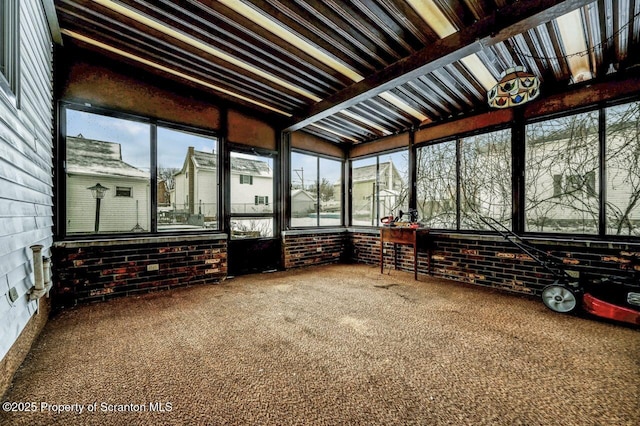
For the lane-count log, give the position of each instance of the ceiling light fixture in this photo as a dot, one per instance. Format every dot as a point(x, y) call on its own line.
point(516, 87)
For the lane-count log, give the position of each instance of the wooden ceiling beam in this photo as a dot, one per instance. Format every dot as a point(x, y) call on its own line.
point(501, 25)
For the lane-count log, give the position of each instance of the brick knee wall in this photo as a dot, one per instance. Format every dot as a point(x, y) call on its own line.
point(88, 271)
point(313, 247)
point(493, 262)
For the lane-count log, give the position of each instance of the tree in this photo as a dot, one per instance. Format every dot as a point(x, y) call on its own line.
point(326, 190)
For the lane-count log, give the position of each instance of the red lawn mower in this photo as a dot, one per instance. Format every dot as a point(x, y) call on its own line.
point(613, 297)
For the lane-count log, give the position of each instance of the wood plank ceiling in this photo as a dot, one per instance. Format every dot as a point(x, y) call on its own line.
point(357, 70)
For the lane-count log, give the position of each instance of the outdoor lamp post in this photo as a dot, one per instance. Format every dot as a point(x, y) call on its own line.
point(97, 192)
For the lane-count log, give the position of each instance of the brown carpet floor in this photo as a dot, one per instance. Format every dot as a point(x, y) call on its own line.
point(329, 345)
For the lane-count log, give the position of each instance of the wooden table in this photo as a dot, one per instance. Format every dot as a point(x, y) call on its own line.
point(406, 236)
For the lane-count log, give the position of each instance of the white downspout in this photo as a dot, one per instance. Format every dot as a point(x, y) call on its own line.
point(39, 289)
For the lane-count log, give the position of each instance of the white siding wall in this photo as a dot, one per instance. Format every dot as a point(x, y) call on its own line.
point(25, 172)
point(206, 187)
point(117, 214)
point(243, 195)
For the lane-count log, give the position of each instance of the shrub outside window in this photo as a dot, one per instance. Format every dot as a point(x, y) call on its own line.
point(478, 191)
point(622, 158)
point(562, 175)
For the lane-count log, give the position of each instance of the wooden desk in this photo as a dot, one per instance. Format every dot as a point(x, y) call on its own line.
point(406, 236)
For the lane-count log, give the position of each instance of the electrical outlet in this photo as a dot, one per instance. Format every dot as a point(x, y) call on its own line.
point(153, 267)
point(319, 249)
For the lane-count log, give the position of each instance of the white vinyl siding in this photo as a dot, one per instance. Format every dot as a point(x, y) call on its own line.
point(26, 215)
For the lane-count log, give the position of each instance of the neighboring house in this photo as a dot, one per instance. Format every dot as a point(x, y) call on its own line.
point(302, 203)
point(390, 192)
point(195, 187)
point(251, 185)
point(26, 163)
point(193, 198)
point(125, 204)
point(164, 199)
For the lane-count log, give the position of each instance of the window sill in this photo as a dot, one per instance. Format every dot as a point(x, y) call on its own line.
point(118, 241)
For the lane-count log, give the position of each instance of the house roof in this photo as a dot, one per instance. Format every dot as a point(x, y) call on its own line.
point(207, 161)
point(98, 158)
point(297, 193)
point(353, 71)
point(367, 173)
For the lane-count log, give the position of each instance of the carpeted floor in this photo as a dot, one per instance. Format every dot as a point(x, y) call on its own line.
point(329, 345)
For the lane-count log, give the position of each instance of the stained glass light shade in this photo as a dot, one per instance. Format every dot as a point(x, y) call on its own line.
point(516, 87)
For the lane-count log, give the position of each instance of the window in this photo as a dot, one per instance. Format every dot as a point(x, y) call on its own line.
point(380, 188)
point(123, 191)
point(251, 215)
point(449, 198)
point(109, 152)
point(316, 188)
point(561, 174)
point(9, 47)
point(187, 181)
point(436, 185)
point(108, 171)
point(261, 200)
point(622, 162)
point(485, 179)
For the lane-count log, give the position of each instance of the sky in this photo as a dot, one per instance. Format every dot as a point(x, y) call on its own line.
point(134, 138)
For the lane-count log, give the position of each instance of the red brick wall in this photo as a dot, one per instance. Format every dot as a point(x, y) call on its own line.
point(491, 261)
point(88, 271)
point(314, 247)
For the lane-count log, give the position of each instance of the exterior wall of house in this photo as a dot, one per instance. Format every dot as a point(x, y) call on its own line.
point(206, 186)
point(180, 192)
point(25, 188)
point(117, 214)
point(244, 194)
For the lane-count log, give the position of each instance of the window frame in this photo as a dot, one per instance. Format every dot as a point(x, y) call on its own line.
point(10, 53)
point(60, 227)
point(377, 155)
point(318, 177)
point(458, 139)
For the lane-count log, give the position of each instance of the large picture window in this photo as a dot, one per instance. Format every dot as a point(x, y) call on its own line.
point(562, 175)
point(316, 188)
point(467, 180)
point(380, 188)
point(109, 153)
point(485, 180)
point(109, 185)
point(436, 184)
